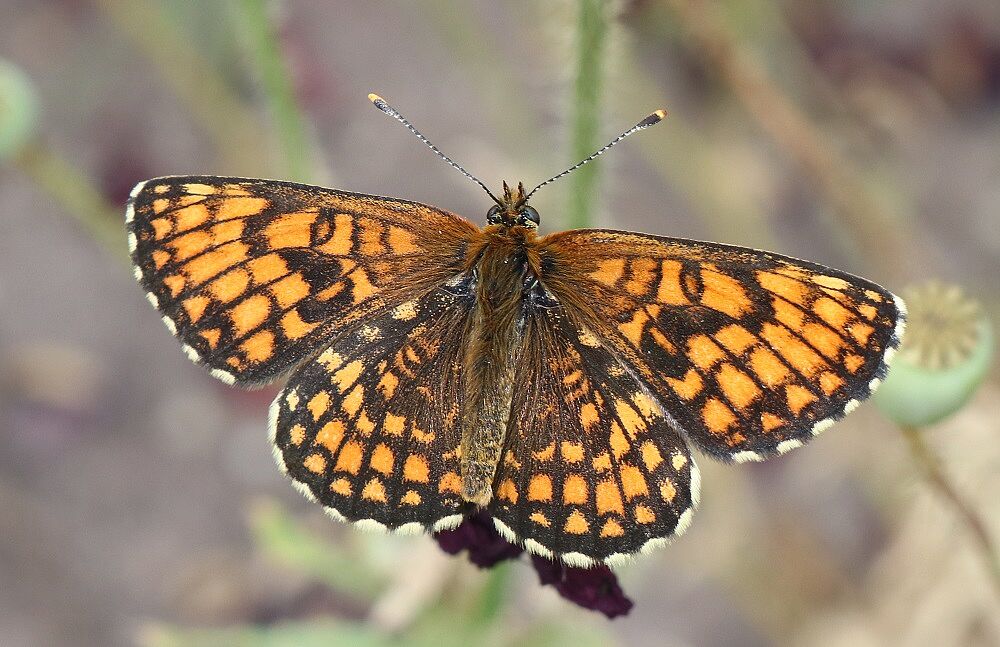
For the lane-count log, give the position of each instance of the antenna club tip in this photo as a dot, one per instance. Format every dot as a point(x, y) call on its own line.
point(380, 103)
point(653, 118)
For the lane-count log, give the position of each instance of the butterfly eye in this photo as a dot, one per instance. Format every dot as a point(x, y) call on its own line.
point(531, 214)
point(493, 215)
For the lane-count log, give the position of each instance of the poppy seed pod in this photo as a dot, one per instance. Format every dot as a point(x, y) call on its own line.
point(944, 356)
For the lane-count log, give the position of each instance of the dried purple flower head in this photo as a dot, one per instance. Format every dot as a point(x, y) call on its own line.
point(479, 536)
point(593, 588)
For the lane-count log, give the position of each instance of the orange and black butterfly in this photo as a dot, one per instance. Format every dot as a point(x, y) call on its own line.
point(558, 382)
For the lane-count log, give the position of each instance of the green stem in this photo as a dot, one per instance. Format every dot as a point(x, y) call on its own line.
point(931, 466)
point(278, 88)
point(283, 538)
point(193, 79)
point(77, 195)
point(861, 212)
point(592, 28)
point(493, 595)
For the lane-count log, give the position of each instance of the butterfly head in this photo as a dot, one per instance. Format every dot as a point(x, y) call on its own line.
point(512, 209)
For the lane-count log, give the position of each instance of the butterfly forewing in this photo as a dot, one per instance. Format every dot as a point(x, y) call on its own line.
point(371, 427)
point(592, 469)
point(751, 353)
point(255, 275)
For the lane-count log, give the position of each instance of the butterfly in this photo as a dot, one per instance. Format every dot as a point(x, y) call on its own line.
point(558, 382)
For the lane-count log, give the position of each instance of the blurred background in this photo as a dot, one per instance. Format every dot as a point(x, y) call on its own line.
point(139, 503)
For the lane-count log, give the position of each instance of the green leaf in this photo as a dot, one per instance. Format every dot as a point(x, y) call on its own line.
point(553, 634)
point(281, 537)
point(323, 633)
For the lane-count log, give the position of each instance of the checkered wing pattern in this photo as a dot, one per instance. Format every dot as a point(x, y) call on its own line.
point(371, 428)
point(592, 469)
point(254, 276)
point(750, 353)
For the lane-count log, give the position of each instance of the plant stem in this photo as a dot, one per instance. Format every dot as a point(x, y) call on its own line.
point(493, 595)
point(788, 126)
point(77, 195)
point(931, 466)
point(193, 79)
point(278, 89)
point(592, 28)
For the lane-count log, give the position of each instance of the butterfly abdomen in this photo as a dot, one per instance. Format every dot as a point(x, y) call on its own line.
point(502, 267)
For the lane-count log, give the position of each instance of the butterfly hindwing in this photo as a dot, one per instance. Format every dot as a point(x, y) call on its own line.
point(592, 469)
point(371, 427)
point(254, 276)
point(751, 353)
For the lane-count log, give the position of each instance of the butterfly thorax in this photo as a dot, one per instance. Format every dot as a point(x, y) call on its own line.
point(505, 265)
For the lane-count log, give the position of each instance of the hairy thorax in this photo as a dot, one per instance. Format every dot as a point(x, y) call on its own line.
point(506, 265)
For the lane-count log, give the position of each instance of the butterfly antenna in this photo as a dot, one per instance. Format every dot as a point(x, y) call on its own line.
point(392, 112)
point(651, 120)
